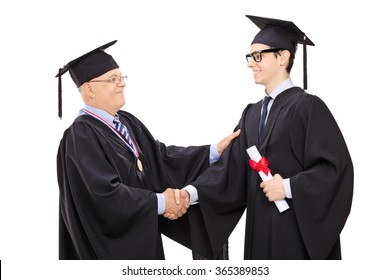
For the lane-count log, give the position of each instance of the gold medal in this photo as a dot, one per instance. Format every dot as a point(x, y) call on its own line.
point(139, 165)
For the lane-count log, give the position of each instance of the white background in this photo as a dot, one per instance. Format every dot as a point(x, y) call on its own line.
point(188, 82)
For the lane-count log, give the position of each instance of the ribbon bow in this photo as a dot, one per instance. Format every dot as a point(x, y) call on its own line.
point(262, 165)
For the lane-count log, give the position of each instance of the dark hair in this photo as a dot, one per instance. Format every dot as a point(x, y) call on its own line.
point(290, 61)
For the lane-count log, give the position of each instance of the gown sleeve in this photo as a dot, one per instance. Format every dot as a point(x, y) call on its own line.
point(222, 192)
point(322, 192)
point(183, 165)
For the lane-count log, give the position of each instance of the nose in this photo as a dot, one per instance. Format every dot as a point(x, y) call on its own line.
point(250, 63)
point(122, 83)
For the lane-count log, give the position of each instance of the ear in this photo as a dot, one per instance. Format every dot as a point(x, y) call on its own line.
point(88, 90)
point(284, 57)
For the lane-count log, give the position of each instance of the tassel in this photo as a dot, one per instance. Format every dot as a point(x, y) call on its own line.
point(59, 95)
point(304, 64)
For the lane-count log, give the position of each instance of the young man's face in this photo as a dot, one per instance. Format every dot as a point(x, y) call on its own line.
point(265, 70)
point(272, 69)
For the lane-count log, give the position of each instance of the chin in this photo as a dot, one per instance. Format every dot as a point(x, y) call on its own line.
point(120, 105)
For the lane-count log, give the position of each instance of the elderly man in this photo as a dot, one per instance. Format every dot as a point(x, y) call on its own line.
point(113, 174)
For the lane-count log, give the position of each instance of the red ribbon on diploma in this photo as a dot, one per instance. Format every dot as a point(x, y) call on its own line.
point(262, 165)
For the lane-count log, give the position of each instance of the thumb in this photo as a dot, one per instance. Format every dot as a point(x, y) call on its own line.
point(235, 134)
point(177, 196)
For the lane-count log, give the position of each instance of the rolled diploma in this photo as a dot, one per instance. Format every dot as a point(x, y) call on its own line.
point(255, 156)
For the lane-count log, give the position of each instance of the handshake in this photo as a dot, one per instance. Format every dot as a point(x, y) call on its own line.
point(176, 203)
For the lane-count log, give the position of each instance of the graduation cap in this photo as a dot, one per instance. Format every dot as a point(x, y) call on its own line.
point(282, 34)
point(86, 67)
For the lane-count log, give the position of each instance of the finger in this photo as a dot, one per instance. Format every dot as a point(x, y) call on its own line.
point(185, 196)
point(170, 216)
point(277, 176)
point(177, 196)
point(234, 134)
point(185, 204)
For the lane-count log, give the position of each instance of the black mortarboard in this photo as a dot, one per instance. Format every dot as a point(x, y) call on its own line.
point(86, 67)
point(282, 34)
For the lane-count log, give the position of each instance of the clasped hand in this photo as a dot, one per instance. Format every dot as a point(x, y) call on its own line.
point(274, 189)
point(176, 203)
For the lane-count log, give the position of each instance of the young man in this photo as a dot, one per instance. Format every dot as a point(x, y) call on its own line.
point(307, 155)
point(113, 174)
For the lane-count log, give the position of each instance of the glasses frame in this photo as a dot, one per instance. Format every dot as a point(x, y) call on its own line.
point(116, 80)
point(251, 55)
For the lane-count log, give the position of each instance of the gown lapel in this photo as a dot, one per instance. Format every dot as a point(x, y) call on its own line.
point(252, 122)
point(281, 101)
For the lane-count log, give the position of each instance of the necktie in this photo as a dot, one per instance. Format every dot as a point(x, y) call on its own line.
point(125, 133)
point(122, 129)
point(263, 116)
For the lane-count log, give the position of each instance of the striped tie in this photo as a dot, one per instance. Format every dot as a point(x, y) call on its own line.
point(122, 129)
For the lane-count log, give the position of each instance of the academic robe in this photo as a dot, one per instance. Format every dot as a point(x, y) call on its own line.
point(108, 208)
point(303, 142)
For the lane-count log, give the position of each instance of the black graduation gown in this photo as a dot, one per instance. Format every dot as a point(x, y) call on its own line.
point(108, 209)
point(302, 142)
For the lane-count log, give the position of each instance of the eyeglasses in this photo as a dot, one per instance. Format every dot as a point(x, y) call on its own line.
point(114, 79)
point(256, 55)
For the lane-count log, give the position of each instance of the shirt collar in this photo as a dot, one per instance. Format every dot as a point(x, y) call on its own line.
point(101, 113)
point(286, 84)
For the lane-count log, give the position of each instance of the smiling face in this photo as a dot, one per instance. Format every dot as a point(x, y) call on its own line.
point(271, 70)
point(104, 93)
